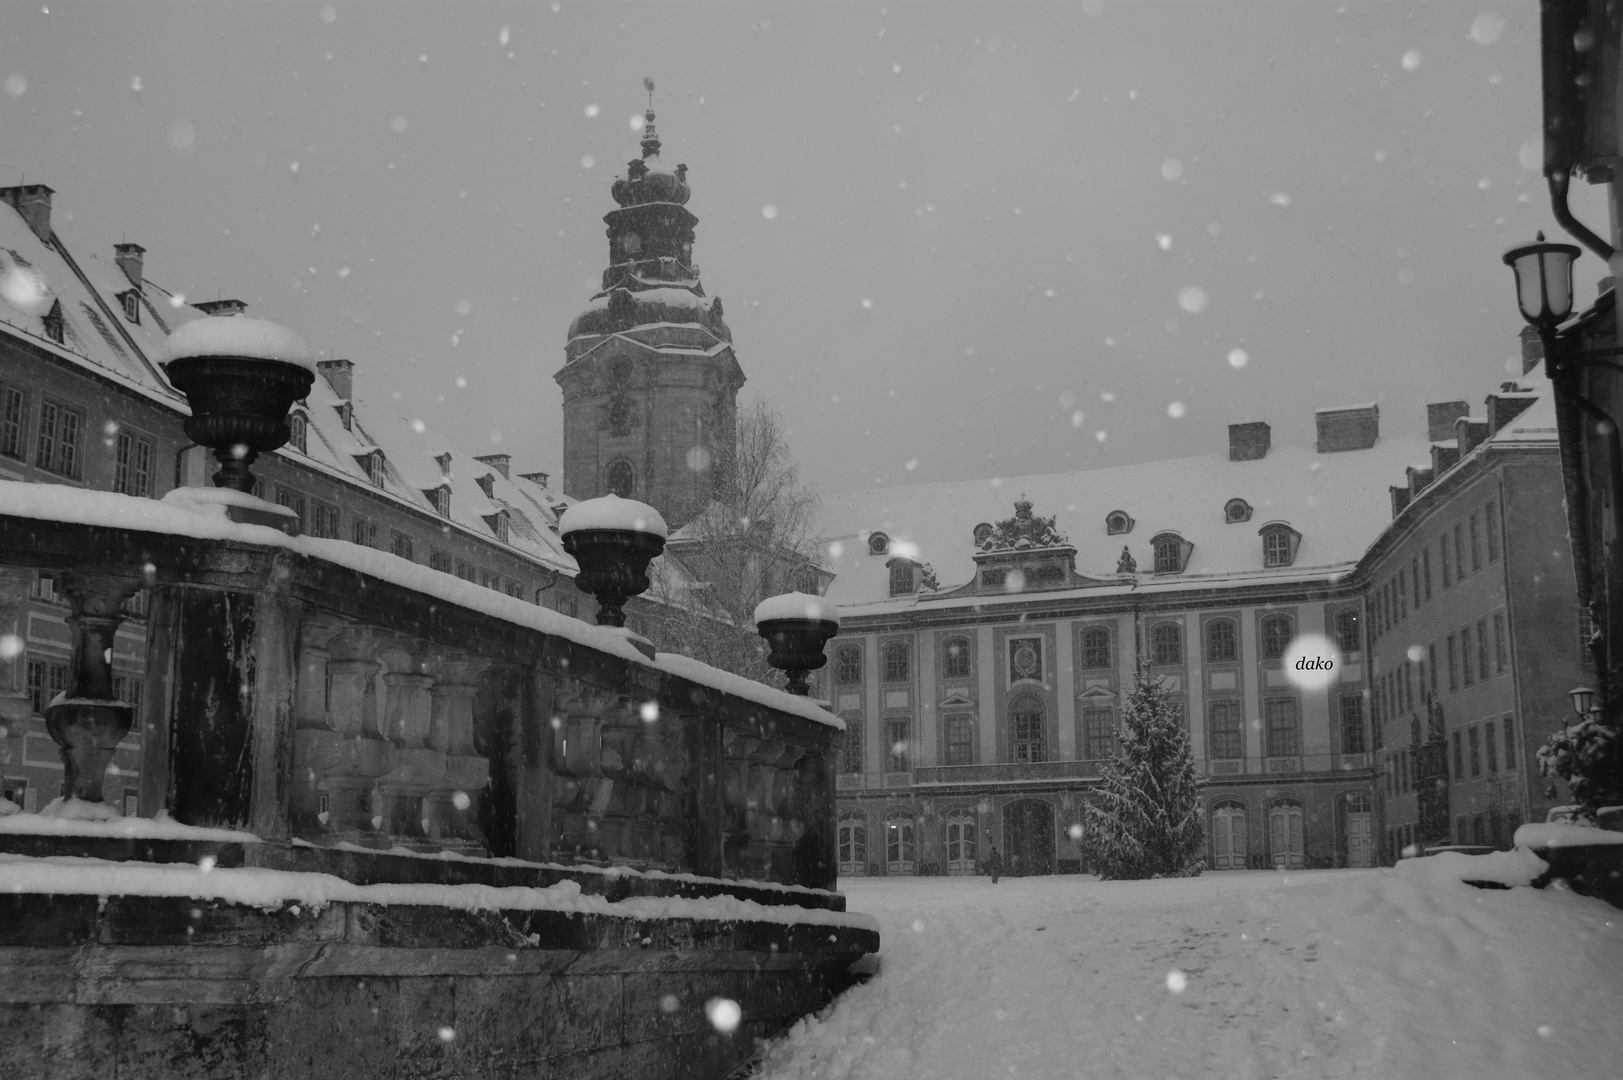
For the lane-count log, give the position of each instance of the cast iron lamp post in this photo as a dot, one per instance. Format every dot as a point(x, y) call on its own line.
point(796, 625)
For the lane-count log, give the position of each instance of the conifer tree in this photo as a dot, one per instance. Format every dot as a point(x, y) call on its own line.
point(1146, 819)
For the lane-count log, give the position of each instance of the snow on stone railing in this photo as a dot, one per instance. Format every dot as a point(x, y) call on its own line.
point(305, 689)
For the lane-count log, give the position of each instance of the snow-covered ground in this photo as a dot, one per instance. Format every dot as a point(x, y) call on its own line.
point(1383, 973)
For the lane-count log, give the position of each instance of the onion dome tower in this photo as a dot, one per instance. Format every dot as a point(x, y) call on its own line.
point(649, 379)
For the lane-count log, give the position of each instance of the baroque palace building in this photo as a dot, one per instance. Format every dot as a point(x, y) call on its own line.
point(984, 657)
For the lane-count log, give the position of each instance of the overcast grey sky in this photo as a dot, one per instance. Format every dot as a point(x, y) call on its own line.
point(953, 240)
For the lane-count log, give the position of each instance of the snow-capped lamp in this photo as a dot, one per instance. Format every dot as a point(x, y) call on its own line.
point(613, 540)
point(241, 376)
point(796, 625)
point(1543, 281)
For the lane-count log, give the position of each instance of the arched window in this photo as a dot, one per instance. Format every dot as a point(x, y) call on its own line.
point(1166, 643)
point(1168, 555)
point(298, 428)
point(851, 749)
point(1279, 543)
point(955, 658)
point(1236, 510)
point(1096, 647)
point(1117, 522)
point(853, 842)
point(1026, 741)
point(898, 662)
point(1222, 644)
point(878, 543)
point(621, 480)
point(962, 842)
point(848, 665)
point(899, 843)
point(1277, 633)
point(1285, 834)
point(1228, 836)
point(1348, 639)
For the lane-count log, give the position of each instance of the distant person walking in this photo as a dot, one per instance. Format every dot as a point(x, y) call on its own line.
point(994, 865)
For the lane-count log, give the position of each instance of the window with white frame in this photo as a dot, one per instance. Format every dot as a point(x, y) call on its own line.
point(1027, 735)
point(1166, 643)
point(132, 463)
point(1222, 641)
point(955, 658)
point(57, 446)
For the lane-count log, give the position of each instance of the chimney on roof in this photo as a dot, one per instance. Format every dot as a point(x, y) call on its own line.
point(1440, 417)
point(1470, 434)
point(1443, 458)
point(1248, 441)
point(1532, 349)
point(540, 478)
point(1400, 498)
point(1507, 404)
point(33, 203)
point(340, 375)
point(221, 307)
point(1350, 427)
point(500, 462)
point(130, 258)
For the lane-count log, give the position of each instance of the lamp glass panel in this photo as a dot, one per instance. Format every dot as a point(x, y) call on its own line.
point(1558, 283)
point(1530, 286)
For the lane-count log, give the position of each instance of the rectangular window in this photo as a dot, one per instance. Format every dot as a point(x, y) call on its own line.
point(1493, 531)
point(1490, 734)
point(897, 662)
point(1459, 756)
point(364, 532)
point(1414, 580)
point(1352, 724)
point(323, 520)
point(1284, 733)
point(1482, 650)
point(467, 571)
point(851, 752)
point(955, 658)
point(901, 578)
point(132, 464)
point(1453, 665)
point(960, 741)
point(489, 579)
point(1425, 562)
point(1403, 597)
point(1472, 739)
point(1465, 655)
point(46, 679)
point(400, 543)
point(1586, 636)
point(1099, 733)
point(13, 421)
point(1448, 566)
point(1459, 551)
point(1422, 666)
point(131, 689)
point(848, 665)
point(294, 501)
point(1431, 651)
point(1510, 743)
point(57, 448)
point(1501, 649)
point(439, 559)
point(896, 746)
point(1476, 545)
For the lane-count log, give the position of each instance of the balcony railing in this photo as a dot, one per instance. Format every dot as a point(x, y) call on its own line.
point(1049, 771)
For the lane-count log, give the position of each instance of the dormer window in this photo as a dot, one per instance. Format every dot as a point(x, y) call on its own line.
point(902, 579)
point(440, 499)
point(1171, 553)
point(1117, 523)
point(487, 484)
point(372, 464)
point(55, 329)
point(132, 305)
point(444, 462)
point(982, 531)
point(346, 414)
point(1279, 543)
point(878, 543)
point(498, 523)
point(298, 426)
point(1236, 511)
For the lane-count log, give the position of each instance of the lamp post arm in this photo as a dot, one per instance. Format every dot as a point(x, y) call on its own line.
point(1559, 183)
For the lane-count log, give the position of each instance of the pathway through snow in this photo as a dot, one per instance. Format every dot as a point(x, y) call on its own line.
point(1386, 973)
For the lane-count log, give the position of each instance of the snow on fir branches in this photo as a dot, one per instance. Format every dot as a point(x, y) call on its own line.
point(1145, 819)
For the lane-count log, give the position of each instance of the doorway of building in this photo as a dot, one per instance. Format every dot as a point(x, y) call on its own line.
point(961, 846)
point(1028, 830)
point(1360, 838)
point(1228, 836)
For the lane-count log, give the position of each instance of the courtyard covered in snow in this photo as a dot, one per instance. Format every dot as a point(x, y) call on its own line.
point(1395, 973)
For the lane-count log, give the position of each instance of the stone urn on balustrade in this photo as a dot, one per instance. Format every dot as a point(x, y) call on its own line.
point(612, 540)
point(241, 376)
point(796, 626)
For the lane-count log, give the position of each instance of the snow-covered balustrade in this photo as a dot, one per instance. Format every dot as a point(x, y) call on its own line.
point(340, 746)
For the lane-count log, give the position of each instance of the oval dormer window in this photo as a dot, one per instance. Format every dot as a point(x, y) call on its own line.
point(1236, 510)
point(1117, 522)
point(982, 531)
point(878, 543)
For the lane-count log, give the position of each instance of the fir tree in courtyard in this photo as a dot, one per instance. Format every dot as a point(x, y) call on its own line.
point(1145, 820)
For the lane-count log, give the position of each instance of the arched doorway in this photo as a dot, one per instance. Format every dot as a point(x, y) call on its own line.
point(1228, 836)
point(1028, 830)
point(1285, 834)
point(961, 843)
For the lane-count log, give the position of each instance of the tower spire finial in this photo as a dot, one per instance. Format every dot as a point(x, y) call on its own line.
point(650, 137)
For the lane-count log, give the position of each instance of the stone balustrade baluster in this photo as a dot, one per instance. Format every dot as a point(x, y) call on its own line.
point(365, 754)
point(319, 743)
point(408, 723)
point(452, 807)
point(15, 708)
point(88, 721)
